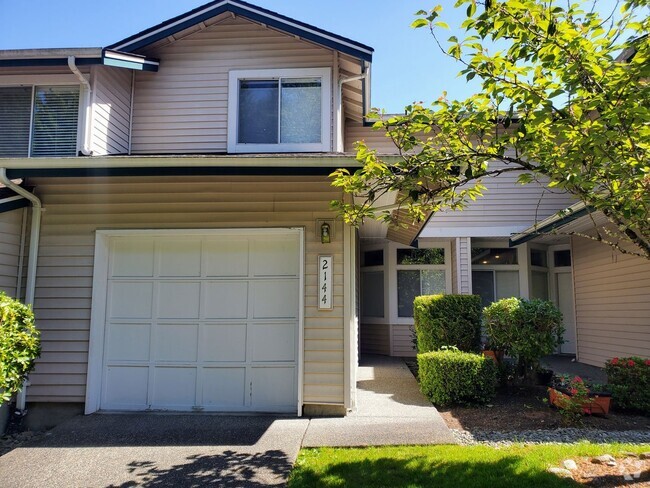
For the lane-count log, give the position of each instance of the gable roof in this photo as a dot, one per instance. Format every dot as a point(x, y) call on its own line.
point(251, 12)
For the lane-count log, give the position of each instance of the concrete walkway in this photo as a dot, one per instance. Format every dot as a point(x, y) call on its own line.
point(156, 450)
point(391, 411)
point(565, 364)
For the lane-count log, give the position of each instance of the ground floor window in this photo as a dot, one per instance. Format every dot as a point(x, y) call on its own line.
point(492, 285)
point(419, 272)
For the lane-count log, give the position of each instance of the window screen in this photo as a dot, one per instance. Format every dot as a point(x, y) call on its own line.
point(15, 115)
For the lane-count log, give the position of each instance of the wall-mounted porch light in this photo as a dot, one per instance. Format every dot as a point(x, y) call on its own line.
point(325, 233)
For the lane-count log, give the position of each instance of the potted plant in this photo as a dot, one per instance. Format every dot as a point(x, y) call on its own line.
point(492, 352)
point(578, 397)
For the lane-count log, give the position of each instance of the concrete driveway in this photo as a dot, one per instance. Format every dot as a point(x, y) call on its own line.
point(149, 450)
point(159, 450)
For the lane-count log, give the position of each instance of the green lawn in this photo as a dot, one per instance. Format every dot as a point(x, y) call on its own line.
point(443, 466)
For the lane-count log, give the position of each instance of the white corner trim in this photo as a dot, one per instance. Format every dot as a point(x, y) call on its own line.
point(301, 323)
point(97, 323)
point(325, 74)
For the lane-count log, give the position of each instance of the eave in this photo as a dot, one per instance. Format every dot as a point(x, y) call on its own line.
point(20, 58)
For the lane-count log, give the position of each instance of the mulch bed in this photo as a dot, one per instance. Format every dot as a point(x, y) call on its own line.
point(523, 408)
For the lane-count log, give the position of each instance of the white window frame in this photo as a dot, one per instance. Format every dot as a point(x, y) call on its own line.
point(521, 268)
point(12, 81)
point(540, 269)
point(445, 246)
point(234, 76)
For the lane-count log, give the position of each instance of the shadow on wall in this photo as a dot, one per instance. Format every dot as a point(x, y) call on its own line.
point(421, 472)
point(229, 469)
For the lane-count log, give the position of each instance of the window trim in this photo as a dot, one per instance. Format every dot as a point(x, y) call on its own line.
point(446, 267)
point(368, 269)
point(234, 76)
point(49, 80)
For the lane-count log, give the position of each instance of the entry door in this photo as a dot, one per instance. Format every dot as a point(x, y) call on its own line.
point(564, 287)
point(202, 322)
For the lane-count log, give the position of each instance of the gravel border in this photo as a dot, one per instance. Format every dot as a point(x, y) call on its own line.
point(556, 436)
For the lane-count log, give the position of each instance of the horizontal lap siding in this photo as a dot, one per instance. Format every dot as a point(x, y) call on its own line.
point(505, 203)
point(374, 139)
point(612, 293)
point(10, 231)
point(183, 107)
point(403, 340)
point(111, 109)
point(375, 338)
point(77, 207)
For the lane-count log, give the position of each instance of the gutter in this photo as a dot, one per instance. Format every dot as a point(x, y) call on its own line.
point(551, 223)
point(85, 150)
point(32, 262)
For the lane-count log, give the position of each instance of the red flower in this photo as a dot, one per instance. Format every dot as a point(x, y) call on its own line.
point(647, 362)
point(614, 361)
point(573, 391)
point(631, 363)
point(577, 379)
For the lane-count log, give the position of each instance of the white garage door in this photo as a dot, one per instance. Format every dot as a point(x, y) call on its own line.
point(202, 322)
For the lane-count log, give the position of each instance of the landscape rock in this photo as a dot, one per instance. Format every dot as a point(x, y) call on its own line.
point(604, 459)
point(561, 472)
point(570, 464)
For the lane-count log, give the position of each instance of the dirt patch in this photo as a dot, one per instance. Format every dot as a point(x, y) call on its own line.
point(516, 409)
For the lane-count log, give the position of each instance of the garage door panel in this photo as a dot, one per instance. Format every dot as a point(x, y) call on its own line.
point(126, 387)
point(275, 299)
point(128, 342)
point(224, 388)
point(273, 342)
point(129, 300)
point(223, 343)
point(176, 342)
point(274, 387)
point(178, 300)
point(174, 388)
point(179, 258)
point(225, 300)
point(132, 258)
point(226, 257)
point(275, 256)
point(202, 321)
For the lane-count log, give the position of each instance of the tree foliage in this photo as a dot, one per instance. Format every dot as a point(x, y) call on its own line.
point(563, 101)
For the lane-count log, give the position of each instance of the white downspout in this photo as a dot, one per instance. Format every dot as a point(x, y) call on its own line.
point(32, 261)
point(85, 150)
point(342, 81)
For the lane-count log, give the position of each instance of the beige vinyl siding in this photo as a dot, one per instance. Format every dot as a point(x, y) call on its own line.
point(111, 110)
point(10, 232)
point(504, 206)
point(77, 207)
point(612, 302)
point(183, 107)
point(375, 139)
point(403, 340)
point(375, 338)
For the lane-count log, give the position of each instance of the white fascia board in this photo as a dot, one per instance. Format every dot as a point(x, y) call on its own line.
point(470, 231)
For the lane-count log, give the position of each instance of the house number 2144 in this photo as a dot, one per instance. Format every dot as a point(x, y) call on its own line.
point(325, 281)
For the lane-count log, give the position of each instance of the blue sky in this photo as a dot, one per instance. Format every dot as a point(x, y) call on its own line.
point(407, 65)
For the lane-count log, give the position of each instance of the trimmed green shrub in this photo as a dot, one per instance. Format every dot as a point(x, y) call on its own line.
point(452, 376)
point(629, 382)
point(19, 345)
point(447, 320)
point(525, 329)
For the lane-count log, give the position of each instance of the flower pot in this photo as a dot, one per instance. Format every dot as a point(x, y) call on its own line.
point(496, 356)
point(598, 403)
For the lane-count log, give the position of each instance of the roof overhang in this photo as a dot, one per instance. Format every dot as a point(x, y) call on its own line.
point(18, 58)
point(251, 12)
point(555, 223)
point(259, 164)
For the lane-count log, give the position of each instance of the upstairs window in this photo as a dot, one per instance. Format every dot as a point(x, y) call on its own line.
point(279, 110)
point(38, 121)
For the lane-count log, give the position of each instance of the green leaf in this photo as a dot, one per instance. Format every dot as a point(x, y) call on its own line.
point(442, 25)
point(417, 23)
